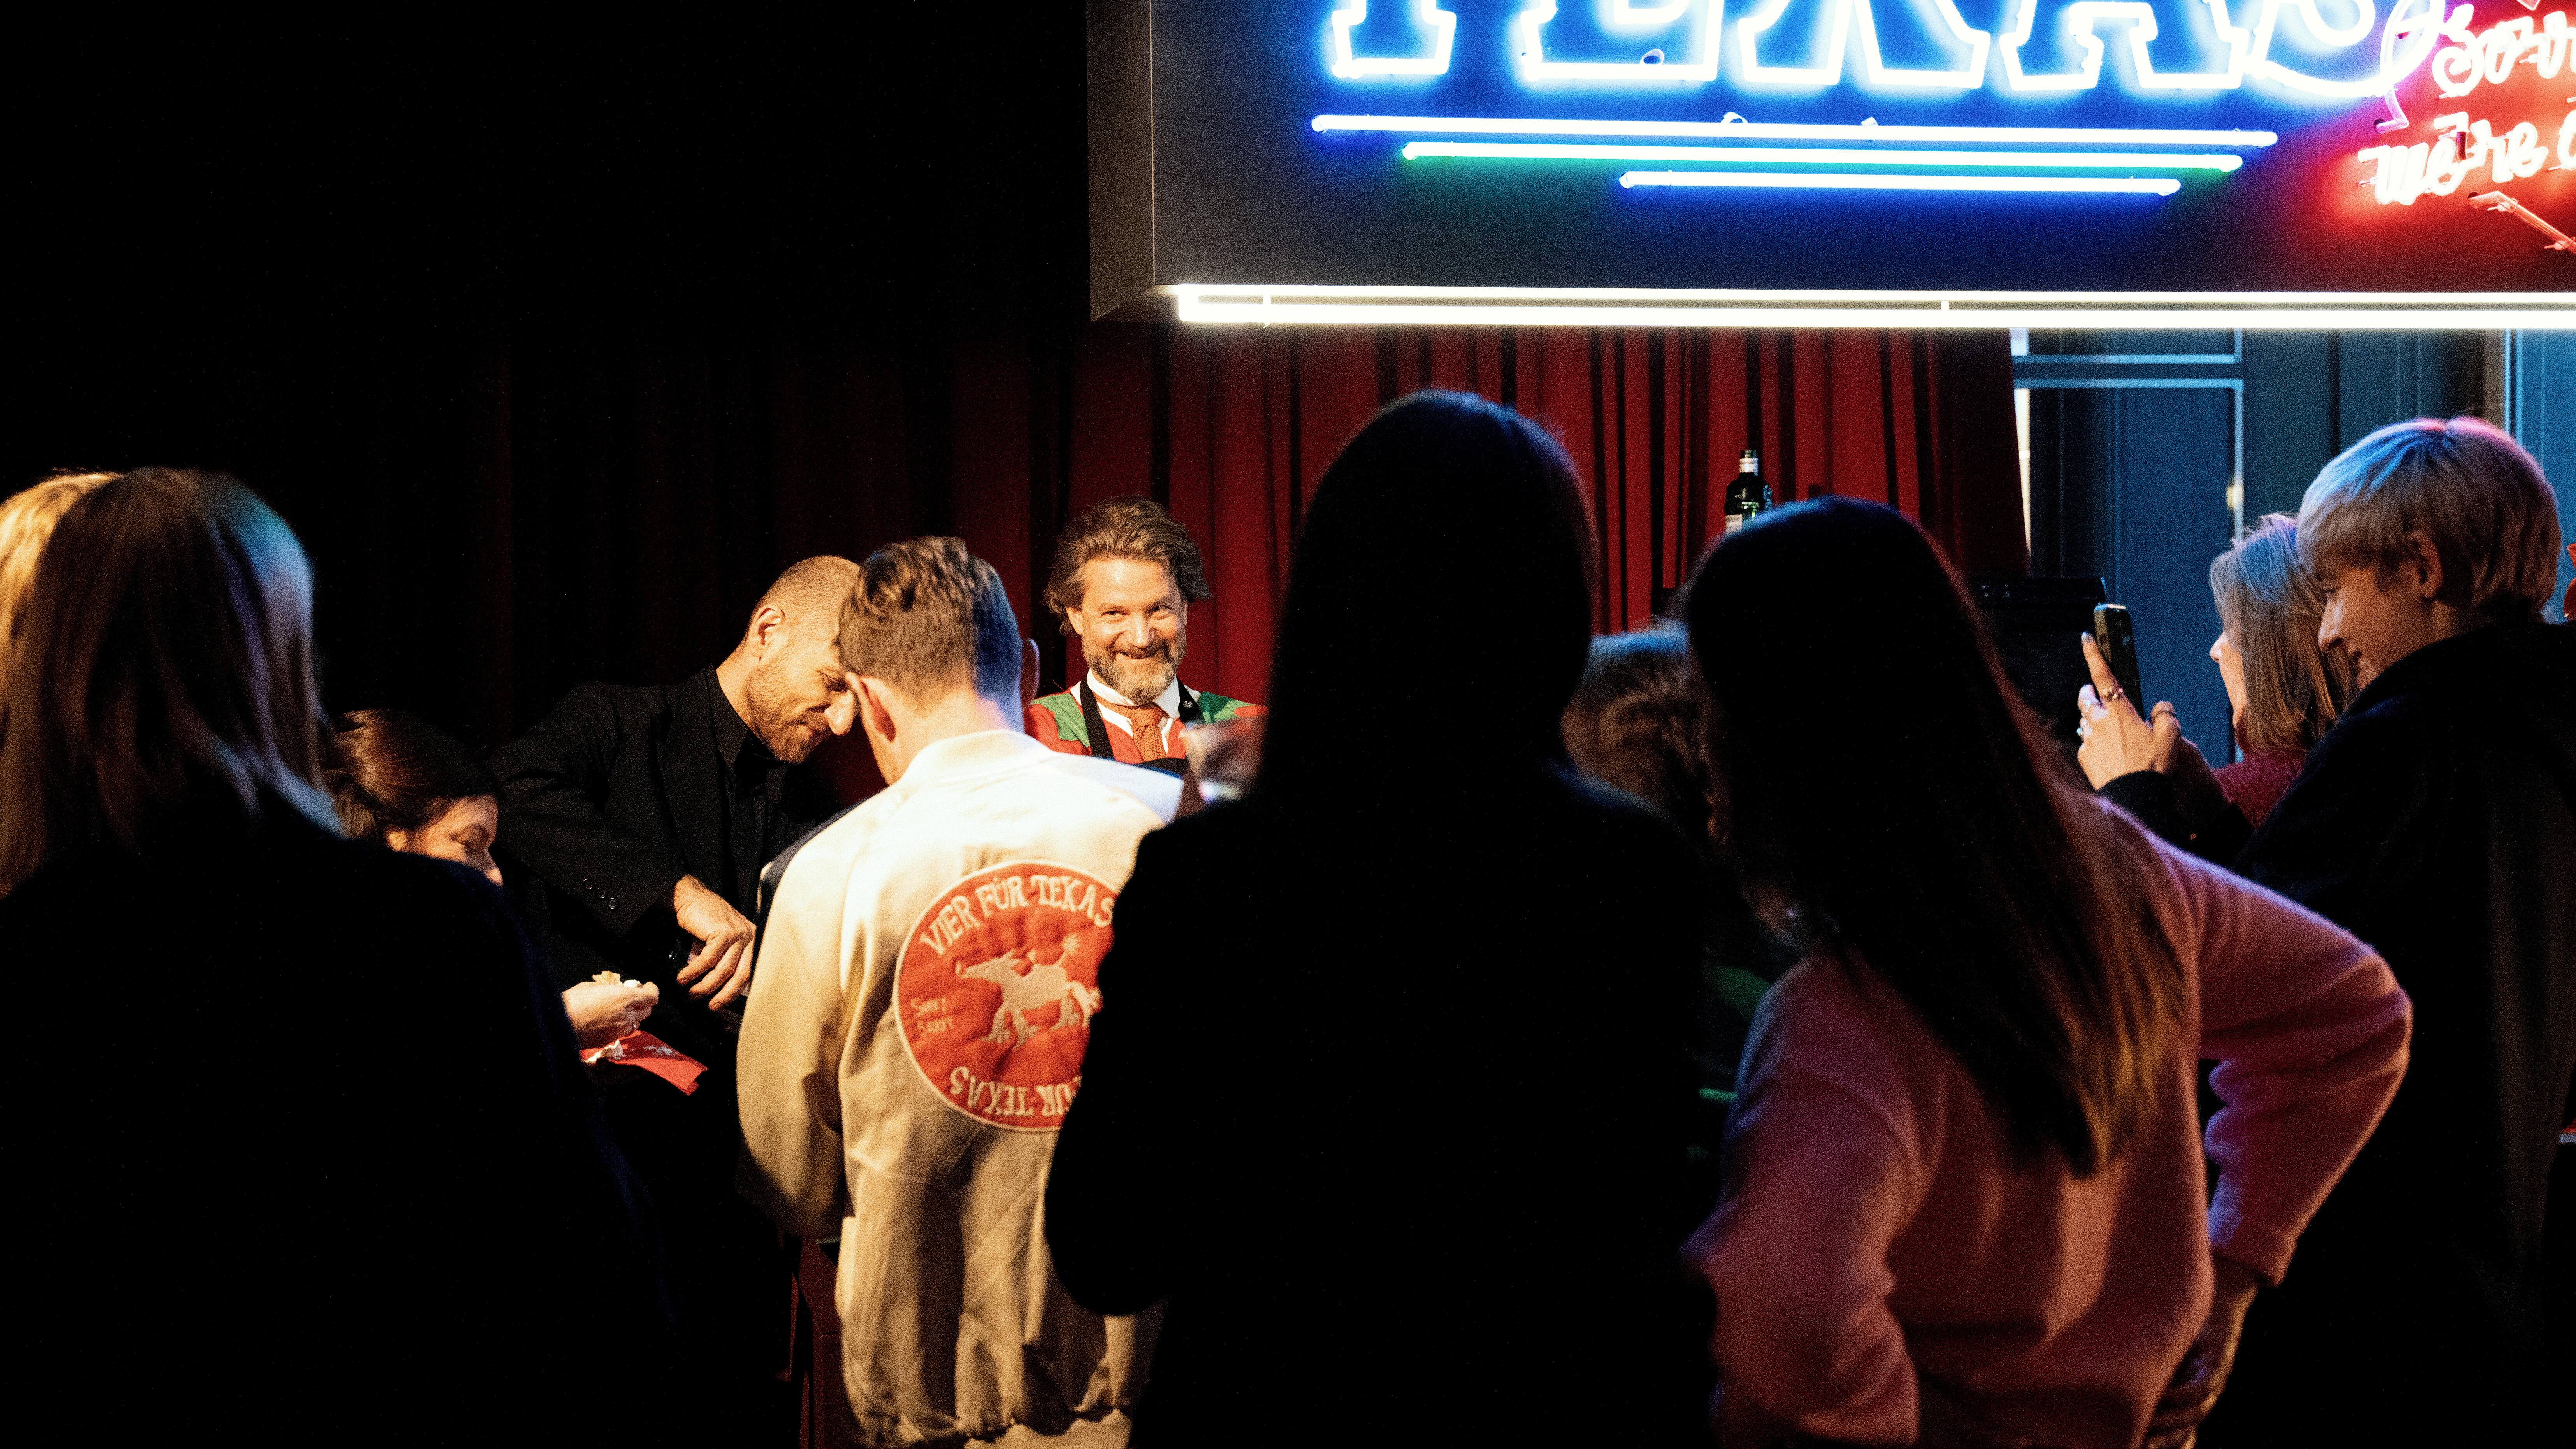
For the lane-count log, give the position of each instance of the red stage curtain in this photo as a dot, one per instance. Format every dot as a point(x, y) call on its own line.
point(1233, 428)
point(496, 514)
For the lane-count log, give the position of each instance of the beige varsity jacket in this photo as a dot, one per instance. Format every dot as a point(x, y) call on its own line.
point(915, 1030)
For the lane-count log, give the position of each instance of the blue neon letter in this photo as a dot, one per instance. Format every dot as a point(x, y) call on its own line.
point(1390, 38)
point(1917, 43)
point(1617, 42)
point(2326, 47)
point(1889, 43)
point(2173, 45)
point(1793, 42)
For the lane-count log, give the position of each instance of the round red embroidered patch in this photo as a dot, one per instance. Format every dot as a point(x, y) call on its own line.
point(999, 979)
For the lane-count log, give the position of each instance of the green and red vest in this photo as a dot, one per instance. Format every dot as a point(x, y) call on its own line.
point(1057, 721)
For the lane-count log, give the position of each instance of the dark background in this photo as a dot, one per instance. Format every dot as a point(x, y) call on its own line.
point(554, 345)
point(612, 274)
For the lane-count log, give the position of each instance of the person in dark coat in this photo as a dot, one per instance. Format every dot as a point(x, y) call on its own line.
point(331, 1175)
point(2436, 821)
point(634, 823)
point(1638, 722)
point(1390, 1097)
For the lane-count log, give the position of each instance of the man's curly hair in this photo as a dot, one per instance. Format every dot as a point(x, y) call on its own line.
point(1136, 528)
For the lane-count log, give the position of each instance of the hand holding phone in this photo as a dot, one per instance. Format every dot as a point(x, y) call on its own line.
point(2118, 739)
point(2119, 649)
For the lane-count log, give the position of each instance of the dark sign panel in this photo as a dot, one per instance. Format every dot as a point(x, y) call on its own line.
point(2094, 152)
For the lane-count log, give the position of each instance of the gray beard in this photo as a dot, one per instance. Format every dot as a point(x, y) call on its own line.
point(1141, 680)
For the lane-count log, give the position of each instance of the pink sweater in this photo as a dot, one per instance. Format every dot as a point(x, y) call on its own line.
point(1884, 1269)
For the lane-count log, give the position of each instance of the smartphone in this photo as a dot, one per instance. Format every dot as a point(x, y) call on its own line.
point(2119, 646)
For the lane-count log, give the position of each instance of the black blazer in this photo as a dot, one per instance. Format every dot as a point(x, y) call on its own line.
point(605, 804)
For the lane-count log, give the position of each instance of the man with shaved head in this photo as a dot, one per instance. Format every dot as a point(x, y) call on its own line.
point(634, 823)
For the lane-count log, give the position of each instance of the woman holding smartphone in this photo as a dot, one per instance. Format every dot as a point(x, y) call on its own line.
point(2283, 694)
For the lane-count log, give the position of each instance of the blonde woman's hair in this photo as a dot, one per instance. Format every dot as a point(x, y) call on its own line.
point(2270, 607)
point(163, 673)
point(27, 519)
point(2464, 484)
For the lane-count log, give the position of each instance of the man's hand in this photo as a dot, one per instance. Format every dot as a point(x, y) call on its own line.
point(602, 1012)
point(2203, 1373)
point(722, 962)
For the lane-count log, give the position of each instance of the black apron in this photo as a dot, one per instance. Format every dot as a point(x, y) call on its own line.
point(1096, 734)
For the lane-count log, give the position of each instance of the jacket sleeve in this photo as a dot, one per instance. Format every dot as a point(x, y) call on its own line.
point(554, 790)
point(1824, 1171)
point(2308, 1029)
point(787, 1070)
point(2148, 796)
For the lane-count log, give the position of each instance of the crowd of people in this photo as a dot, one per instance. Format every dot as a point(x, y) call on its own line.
point(1627, 1060)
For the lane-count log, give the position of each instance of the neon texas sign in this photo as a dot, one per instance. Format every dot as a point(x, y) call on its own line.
point(2326, 48)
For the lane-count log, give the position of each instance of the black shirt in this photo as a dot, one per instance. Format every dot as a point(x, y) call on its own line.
point(754, 784)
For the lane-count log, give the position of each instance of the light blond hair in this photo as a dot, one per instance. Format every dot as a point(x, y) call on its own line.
point(27, 520)
point(2464, 484)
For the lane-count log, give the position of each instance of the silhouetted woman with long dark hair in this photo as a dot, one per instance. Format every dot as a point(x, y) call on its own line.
point(1964, 1187)
point(314, 1160)
point(1389, 1099)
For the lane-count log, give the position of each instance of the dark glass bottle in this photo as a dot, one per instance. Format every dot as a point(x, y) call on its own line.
point(1748, 495)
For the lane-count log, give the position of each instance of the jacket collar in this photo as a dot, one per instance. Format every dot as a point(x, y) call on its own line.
point(960, 757)
point(690, 785)
point(2442, 665)
point(727, 728)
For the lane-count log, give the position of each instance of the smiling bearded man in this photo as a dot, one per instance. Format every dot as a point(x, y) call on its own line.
point(1125, 576)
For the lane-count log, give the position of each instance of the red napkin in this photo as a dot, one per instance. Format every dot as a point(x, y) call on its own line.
point(644, 1049)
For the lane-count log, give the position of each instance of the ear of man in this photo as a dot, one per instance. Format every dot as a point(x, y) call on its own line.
point(877, 704)
point(2421, 570)
point(768, 629)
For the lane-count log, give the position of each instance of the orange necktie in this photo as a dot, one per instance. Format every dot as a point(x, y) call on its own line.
point(1145, 722)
